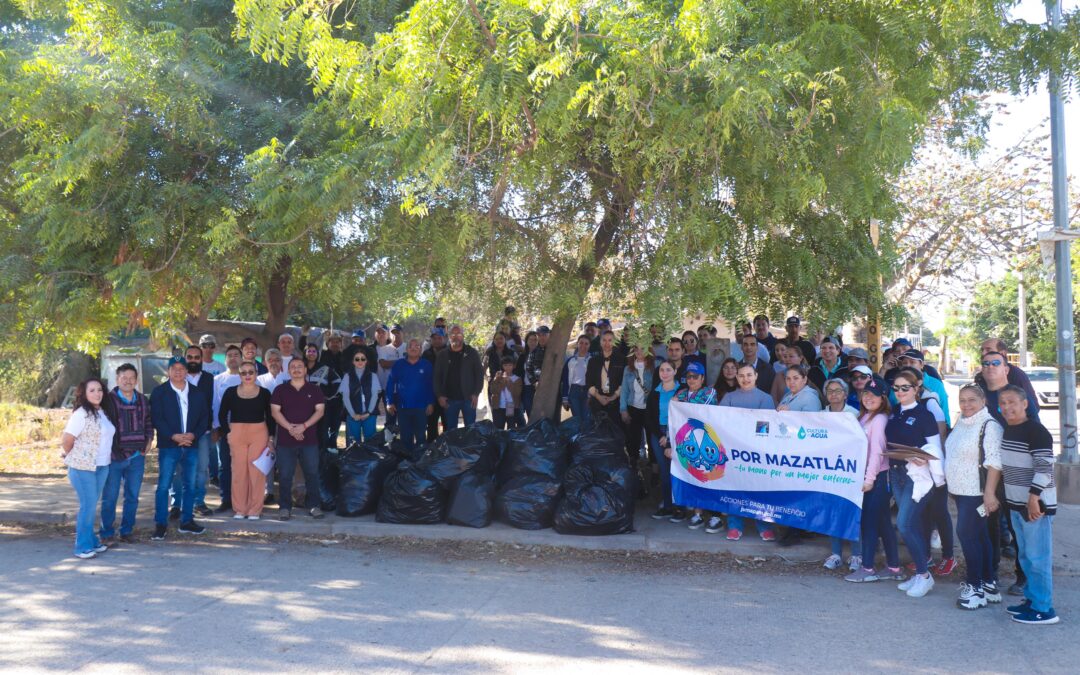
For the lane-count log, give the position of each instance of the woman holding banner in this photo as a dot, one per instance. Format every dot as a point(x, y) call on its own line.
point(836, 392)
point(876, 520)
point(914, 480)
point(697, 392)
point(656, 421)
point(750, 397)
point(800, 395)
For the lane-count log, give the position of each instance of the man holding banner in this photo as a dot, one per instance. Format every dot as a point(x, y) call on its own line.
point(797, 469)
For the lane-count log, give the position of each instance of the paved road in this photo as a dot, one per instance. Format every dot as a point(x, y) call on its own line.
point(223, 606)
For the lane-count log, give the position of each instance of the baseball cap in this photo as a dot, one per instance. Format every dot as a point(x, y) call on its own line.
point(359, 332)
point(876, 386)
point(441, 332)
point(207, 339)
point(397, 327)
point(793, 321)
point(603, 322)
point(865, 370)
point(912, 354)
point(695, 368)
point(859, 353)
point(902, 341)
point(178, 360)
point(544, 330)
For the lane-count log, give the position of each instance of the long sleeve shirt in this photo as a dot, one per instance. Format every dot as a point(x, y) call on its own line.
point(411, 385)
point(1027, 464)
point(370, 404)
point(876, 462)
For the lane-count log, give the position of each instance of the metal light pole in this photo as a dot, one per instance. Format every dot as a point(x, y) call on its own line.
point(1069, 468)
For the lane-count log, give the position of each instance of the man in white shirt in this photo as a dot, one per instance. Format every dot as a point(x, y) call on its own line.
point(230, 378)
point(208, 344)
point(275, 374)
point(286, 343)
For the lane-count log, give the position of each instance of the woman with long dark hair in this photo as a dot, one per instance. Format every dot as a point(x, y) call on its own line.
point(87, 444)
point(728, 380)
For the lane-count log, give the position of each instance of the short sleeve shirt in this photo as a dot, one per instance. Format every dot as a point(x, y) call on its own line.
point(297, 407)
point(77, 423)
point(911, 427)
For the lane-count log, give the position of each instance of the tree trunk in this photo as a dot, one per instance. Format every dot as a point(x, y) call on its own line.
point(277, 299)
point(546, 402)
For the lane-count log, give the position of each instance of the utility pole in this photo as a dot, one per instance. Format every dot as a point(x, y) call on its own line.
point(873, 318)
point(1068, 469)
point(1022, 319)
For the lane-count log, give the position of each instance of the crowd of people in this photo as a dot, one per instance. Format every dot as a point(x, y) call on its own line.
point(219, 424)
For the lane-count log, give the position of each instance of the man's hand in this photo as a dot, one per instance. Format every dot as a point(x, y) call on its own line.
point(566, 404)
point(215, 435)
point(625, 417)
point(1034, 509)
point(391, 409)
point(991, 503)
point(474, 400)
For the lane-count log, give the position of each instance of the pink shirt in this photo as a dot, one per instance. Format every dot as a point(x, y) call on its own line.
point(875, 436)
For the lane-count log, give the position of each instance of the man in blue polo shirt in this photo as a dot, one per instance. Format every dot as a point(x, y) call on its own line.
point(410, 391)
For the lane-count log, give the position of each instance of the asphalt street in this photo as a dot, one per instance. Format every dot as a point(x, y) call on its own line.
point(218, 605)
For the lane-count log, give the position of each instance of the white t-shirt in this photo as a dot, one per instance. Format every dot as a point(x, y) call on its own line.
point(221, 383)
point(637, 394)
point(213, 367)
point(182, 394)
point(77, 423)
point(285, 363)
point(270, 382)
point(388, 352)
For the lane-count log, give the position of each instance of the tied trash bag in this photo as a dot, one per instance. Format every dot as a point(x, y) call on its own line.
point(528, 502)
point(598, 499)
point(603, 439)
point(570, 428)
point(411, 496)
point(471, 501)
point(535, 450)
point(459, 450)
point(363, 470)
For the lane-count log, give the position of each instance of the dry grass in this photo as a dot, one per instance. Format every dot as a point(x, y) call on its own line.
point(30, 439)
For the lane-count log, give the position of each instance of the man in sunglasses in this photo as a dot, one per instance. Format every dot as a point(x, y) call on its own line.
point(1016, 375)
point(994, 378)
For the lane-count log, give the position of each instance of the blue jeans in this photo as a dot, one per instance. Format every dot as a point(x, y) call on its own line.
point(453, 409)
point(202, 472)
point(287, 457)
point(912, 518)
point(1034, 543)
point(169, 459)
point(359, 431)
point(412, 422)
point(838, 546)
point(130, 471)
point(88, 486)
point(941, 520)
point(665, 469)
point(579, 405)
point(877, 524)
point(974, 534)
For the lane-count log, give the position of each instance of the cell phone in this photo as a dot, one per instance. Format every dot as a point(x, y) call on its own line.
point(981, 510)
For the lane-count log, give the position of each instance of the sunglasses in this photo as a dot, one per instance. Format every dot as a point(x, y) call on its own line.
point(902, 387)
point(995, 362)
point(247, 373)
point(359, 360)
point(860, 376)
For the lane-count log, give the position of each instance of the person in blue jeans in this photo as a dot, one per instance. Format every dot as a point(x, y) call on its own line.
point(1027, 462)
point(748, 396)
point(86, 448)
point(656, 420)
point(410, 391)
point(359, 391)
point(459, 379)
point(134, 436)
point(836, 393)
point(575, 395)
point(180, 417)
point(204, 382)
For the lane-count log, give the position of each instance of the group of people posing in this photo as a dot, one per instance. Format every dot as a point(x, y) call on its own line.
point(226, 419)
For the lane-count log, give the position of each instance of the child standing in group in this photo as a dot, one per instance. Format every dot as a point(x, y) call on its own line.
point(504, 395)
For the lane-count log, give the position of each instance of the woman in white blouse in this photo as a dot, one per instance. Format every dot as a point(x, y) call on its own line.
point(87, 445)
point(974, 444)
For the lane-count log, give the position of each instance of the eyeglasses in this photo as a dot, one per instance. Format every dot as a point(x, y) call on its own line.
point(902, 387)
point(995, 363)
point(247, 373)
point(834, 390)
point(359, 360)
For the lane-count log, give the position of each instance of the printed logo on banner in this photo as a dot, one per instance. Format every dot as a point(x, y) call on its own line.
point(700, 451)
point(762, 428)
point(783, 432)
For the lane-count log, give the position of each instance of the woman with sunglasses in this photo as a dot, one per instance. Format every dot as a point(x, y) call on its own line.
point(915, 480)
point(860, 377)
point(359, 391)
point(244, 416)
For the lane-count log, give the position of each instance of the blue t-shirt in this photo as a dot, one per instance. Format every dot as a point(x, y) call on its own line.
point(755, 399)
point(665, 399)
point(911, 427)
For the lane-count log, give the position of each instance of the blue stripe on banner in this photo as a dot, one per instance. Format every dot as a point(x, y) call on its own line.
point(813, 511)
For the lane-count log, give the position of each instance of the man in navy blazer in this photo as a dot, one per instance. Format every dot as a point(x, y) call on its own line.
point(204, 382)
point(180, 417)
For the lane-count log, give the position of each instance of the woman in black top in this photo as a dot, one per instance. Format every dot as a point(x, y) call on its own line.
point(494, 355)
point(727, 381)
point(245, 419)
point(603, 378)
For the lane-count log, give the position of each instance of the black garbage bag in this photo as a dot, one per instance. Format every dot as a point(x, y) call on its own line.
point(363, 471)
point(535, 450)
point(528, 502)
point(329, 480)
point(602, 439)
point(459, 450)
point(471, 500)
point(396, 447)
point(598, 499)
point(412, 496)
point(570, 428)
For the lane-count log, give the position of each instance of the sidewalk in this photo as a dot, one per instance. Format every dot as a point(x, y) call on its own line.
point(51, 500)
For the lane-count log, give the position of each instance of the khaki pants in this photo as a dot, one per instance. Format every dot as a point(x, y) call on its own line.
point(246, 443)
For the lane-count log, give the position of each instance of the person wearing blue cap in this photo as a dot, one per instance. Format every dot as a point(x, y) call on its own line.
point(696, 392)
point(180, 415)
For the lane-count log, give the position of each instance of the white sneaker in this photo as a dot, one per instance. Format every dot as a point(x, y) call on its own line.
point(252, 517)
point(832, 562)
point(971, 597)
point(935, 540)
point(854, 563)
point(238, 516)
point(86, 555)
point(715, 524)
point(905, 585)
point(922, 585)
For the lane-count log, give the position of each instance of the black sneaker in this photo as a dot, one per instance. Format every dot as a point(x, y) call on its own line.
point(204, 510)
point(269, 499)
point(991, 592)
point(677, 516)
point(160, 531)
point(661, 513)
point(174, 513)
point(191, 527)
point(225, 507)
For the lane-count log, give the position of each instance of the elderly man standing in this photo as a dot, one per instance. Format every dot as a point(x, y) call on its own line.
point(410, 393)
point(180, 415)
point(459, 379)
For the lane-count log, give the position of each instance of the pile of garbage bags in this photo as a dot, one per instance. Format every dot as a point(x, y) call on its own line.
point(543, 475)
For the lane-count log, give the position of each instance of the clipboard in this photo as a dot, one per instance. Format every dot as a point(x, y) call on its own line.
point(900, 451)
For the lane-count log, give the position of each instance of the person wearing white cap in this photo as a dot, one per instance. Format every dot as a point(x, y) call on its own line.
point(860, 375)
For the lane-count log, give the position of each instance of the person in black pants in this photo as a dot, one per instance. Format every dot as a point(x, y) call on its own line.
point(604, 377)
point(634, 395)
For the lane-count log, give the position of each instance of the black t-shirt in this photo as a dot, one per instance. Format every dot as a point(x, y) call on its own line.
point(453, 375)
point(236, 408)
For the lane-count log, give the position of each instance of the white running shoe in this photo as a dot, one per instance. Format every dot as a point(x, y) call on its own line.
point(906, 585)
point(854, 563)
point(833, 562)
point(971, 597)
point(935, 540)
point(922, 585)
point(238, 516)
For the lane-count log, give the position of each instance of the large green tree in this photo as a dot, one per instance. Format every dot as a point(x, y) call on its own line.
point(664, 156)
